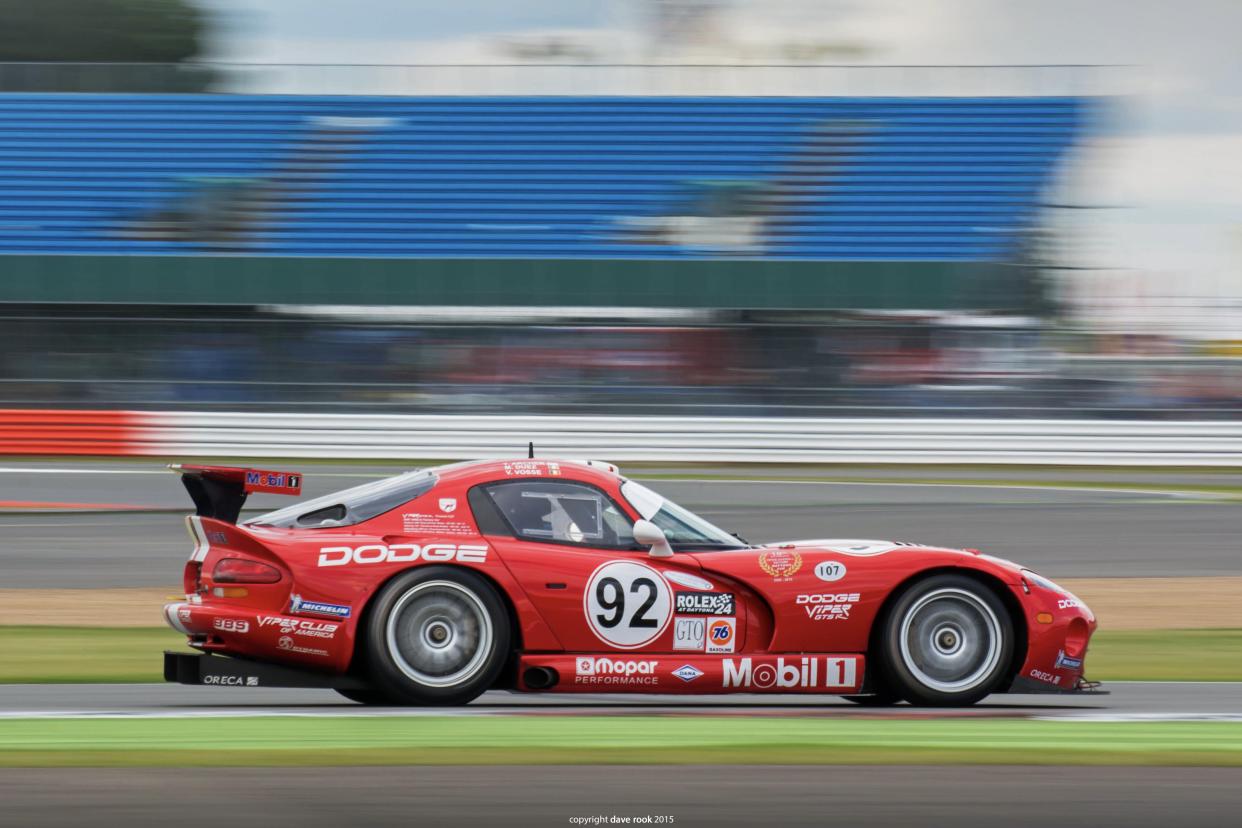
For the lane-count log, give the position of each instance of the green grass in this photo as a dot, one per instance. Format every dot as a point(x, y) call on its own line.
point(417, 740)
point(39, 655)
point(1166, 655)
point(73, 655)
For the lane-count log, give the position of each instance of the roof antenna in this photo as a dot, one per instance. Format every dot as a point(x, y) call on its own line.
point(530, 450)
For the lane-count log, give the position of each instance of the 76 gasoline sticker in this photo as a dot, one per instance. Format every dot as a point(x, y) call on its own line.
point(627, 604)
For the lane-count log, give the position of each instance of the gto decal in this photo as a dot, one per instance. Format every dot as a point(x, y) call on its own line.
point(627, 604)
point(401, 553)
point(689, 633)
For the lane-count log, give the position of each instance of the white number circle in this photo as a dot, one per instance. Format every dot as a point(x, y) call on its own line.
point(830, 570)
point(627, 604)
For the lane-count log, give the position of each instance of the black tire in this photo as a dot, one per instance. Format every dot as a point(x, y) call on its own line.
point(958, 642)
point(883, 698)
point(435, 636)
point(367, 696)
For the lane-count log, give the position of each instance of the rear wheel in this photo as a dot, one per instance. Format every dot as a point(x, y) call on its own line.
point(364, 696)
point(947, 642)
point(436, 636)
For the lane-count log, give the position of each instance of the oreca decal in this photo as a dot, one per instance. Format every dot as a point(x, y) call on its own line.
point(627, 604)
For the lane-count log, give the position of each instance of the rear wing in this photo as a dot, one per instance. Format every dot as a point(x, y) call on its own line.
point(220, 491)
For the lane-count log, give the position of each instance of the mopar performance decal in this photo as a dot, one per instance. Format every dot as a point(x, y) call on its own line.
point(705, 603)
point(590, 670)
point(627, 604)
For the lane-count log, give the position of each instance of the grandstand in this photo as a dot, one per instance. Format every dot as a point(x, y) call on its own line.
point(827, 179)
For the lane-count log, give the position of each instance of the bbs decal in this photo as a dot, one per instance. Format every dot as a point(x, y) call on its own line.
point(705, 603)
point(627, 604)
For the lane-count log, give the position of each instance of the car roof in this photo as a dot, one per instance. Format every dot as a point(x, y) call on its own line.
point(472, 472)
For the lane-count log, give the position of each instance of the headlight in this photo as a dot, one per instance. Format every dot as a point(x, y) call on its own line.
point(1041, 581)
point(1068, 599)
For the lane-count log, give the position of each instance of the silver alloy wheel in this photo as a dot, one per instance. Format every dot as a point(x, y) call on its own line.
point(439, 634)
point(950, 640)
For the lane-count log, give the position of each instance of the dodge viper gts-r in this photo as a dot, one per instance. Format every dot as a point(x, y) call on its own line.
point(546, 576)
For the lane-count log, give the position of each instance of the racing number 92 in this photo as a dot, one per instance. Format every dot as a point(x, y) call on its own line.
point(615, 603)
point(627, 604)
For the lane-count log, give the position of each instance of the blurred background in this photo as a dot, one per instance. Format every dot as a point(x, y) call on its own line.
point(977, 208)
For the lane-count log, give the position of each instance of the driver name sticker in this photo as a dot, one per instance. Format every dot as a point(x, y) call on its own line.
point(627, 604)
point(532, 468)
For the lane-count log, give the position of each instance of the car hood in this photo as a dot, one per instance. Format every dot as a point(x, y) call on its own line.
point(856, 547)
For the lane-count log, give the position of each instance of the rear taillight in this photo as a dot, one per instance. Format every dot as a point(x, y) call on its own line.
point(242, 571)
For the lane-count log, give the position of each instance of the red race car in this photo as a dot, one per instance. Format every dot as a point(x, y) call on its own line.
point(434, 586)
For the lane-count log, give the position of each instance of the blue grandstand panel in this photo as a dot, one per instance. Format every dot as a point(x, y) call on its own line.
point(937, 179)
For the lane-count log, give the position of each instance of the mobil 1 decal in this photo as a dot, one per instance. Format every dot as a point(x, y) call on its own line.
point(627, 604)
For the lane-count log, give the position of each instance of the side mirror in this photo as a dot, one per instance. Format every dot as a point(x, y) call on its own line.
point(648, 534)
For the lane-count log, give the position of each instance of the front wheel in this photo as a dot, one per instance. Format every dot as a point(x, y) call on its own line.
point(436, 636)
point(947, 642)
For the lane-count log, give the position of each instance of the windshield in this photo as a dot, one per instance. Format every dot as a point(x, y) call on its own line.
point(352, 505)
point(682, 527)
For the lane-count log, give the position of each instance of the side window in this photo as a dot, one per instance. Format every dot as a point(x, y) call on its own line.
point(561, 512)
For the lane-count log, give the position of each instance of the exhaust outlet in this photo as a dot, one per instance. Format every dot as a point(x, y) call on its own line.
point(540, 678)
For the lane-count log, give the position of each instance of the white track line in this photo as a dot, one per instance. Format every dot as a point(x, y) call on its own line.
point(40, 470)
point(1029, 488)
point(251, 713)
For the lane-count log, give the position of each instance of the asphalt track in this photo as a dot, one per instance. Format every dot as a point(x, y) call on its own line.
point(693, 795)
point(1061, 532)
point(1126, 700)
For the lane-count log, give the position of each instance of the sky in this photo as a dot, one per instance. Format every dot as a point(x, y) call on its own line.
point(1169, 159)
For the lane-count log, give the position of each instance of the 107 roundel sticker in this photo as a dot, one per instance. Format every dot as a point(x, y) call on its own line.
point(627, 604)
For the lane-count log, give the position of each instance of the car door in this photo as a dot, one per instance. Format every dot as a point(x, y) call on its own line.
point(571, 547)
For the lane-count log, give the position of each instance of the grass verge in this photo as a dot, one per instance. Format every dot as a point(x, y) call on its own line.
point(71, 655)
point(80, 655)
point(485, 740)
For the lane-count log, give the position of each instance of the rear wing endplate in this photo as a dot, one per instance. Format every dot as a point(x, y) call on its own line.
point(220, 491)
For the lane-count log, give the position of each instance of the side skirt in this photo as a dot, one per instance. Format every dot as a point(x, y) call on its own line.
point(229, 671)
point(692, 673)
